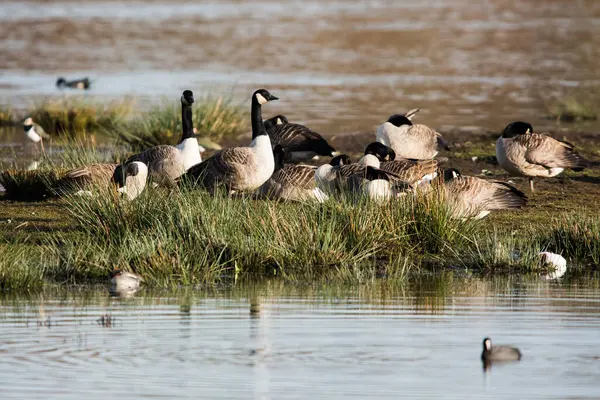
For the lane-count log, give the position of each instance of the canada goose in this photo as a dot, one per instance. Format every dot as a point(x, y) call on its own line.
point(131, 178)
point(123, 283)
point(333, 177)
point(35, 132)
point(83, 84)
point(410, 141)
point(469, 196)
point(167, 163)
point(522, 152)
point(377, 184)
point(81, 180)
point(411, 171)
point(276, 120)
point(300, 142)
point(499, 353)
point(290, 181)
point(240, 168)
point(555, 261)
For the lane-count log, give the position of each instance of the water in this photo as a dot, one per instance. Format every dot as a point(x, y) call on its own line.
point(422, 340)
point(340, 66)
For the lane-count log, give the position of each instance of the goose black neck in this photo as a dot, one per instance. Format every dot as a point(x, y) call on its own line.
point(186, 122)
point(258, 128)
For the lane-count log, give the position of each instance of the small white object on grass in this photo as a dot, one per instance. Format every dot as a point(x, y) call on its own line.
point(556, 261)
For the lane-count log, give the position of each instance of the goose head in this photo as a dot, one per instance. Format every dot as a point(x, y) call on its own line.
point(61, 82)
point(279, 155)
point(131, 178)
point(450, 174)
point(515, 129)
point(398, 120)
point(276, 120)
point(487, 344)
point(340, 160)
point(381, 151)
point(262, 96)
point(187, 98)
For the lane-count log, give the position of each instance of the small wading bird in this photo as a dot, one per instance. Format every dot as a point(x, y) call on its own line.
point(35, 133)
point(82, 84)
point(522, 152)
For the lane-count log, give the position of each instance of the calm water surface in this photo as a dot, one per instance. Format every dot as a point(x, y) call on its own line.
point(421, 340)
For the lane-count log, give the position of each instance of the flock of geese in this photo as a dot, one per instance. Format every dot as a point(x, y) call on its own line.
point(402, 160)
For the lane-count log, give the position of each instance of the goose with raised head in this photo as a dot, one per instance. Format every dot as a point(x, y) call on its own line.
point(301, 143)
point(276, 120)
point(472, 197)
point(130, 179)
point(82, 84)
point(499, 353)
point(240, 168)
point(522, 152)
point(34, 132)
point(414, 172)
point(166, 163)
point(291, 182)
point(410, 140)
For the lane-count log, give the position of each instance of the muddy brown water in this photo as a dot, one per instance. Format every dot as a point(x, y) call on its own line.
point(422, 340)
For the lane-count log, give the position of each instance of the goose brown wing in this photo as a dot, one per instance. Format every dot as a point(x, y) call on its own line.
point(549, 152)
point(300, 176)
point(92, 172)
point(296, 138)
point(410, 170)
point(472, 193)
point(221, 167)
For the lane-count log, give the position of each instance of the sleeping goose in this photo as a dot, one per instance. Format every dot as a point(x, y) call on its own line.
point(410, 141)
point(290, 181)
point(522, 152)
point(377, 184)
point(300, 142)
point(82, 180)
point(472, 197)
point(411, 171)
point(82, 84)
point(130, 179)
point(167, 163)
point(35, 132)
point(276, 120)
point(333, 177)
point(240, 168)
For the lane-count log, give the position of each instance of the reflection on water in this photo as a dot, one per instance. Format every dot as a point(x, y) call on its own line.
point(420, 340)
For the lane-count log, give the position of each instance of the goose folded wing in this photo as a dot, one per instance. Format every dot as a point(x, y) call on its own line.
point(550, 153)
point(301, 176)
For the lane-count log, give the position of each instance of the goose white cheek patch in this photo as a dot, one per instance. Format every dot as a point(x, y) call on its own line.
point(261, 99)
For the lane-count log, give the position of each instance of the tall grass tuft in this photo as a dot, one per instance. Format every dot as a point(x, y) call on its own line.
point(214, 118)
point(23, 185)
point(576, 237)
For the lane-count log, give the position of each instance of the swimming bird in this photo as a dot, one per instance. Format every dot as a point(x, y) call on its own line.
point(124, 283)
point(555, 261)
point(240, 168)
point(410, 140)
point(472, 197)
point(166, 163)
point(522, 152)
point(411, 171)
point(83, 84)
point(82, 180)
point(498, 353)
point(131, 178)
point(276, 120)
point(291, 181)
point(300, 142)
point(34, 132)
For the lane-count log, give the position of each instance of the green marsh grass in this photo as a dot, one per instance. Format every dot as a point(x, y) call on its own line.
point(574, 109)
point(214, 118)
point(575, 236)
